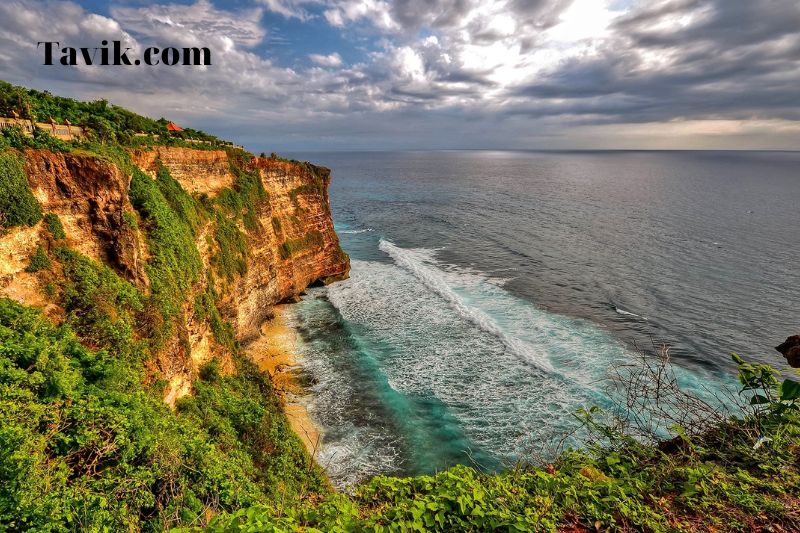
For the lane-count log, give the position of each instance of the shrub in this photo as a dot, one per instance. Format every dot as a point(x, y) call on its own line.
point(100, 304)
point(175, 264)
point(17, 204)
point(38, 261)
point(726, 478)
point(84, 447)
point(231, 259)
point(54, 226)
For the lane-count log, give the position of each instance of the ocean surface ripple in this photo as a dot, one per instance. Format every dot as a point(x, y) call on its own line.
point(492, 294)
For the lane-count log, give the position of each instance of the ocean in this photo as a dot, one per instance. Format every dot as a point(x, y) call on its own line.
point(492, 293)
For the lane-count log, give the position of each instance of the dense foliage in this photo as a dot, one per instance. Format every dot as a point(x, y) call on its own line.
point(739, 476)
point(17, 205)
point(175, 263)
point(86, 442)
point(84, 446)
point(105, 122)
point(54, 226)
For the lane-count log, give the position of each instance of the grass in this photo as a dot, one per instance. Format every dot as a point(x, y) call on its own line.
point(231, 259)
point(38, 261)
point(175, 264)
point(86, 442)
point(54, 226)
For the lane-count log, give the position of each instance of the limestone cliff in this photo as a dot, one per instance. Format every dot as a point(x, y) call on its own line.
point(294, 245)
point(290, 240)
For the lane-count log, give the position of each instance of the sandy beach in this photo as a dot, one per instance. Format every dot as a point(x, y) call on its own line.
point(275, 352)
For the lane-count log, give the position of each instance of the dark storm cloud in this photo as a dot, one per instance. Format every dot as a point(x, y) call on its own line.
point(732, 59)
point(725, 23)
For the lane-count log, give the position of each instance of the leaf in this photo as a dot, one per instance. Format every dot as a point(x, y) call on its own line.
point(758, 399)
point(790, 390)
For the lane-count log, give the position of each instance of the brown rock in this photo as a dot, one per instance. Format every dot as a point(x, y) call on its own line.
point(90, 196)
point(293, 246)
point(198, 171)
point(291, 243)
point(790, 348)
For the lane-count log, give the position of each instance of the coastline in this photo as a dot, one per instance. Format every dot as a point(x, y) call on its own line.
point(275, 352)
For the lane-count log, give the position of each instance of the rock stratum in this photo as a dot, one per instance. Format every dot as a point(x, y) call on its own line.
point(286, 241)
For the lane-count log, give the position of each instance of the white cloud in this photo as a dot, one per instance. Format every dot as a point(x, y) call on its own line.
point(192, 24)
point(331, 60)
point(568, 69)
point(287, 8)
point(376, 12)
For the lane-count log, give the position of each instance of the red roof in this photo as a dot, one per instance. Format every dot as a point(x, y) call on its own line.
point(171, 126)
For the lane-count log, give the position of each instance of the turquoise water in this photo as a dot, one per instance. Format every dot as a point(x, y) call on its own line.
point(493, 294)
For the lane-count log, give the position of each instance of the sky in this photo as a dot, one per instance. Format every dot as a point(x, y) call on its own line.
point(302, 75)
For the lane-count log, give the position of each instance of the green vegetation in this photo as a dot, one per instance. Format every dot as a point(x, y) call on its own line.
point(234, 207)
point(739, 475)
point(205, 308)
point(175, 264)
point(100, 305)
point(14, 137)
point(17, 205)
point(106, 123)
point(292, 246)
point(84, 446)
point(39, 261)
point(54, 226)
point(248, 192)
point(232, 256)
point(86, 442)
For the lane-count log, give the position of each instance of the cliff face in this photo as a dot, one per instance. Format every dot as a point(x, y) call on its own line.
point(198, 171)
point(294, 244)
point(290, 243)
point(297, 247)
point(90, 197)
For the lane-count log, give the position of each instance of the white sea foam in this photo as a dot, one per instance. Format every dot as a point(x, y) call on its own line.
point(452, 358)
point(628, 313)
point(354, 231)
point(433, 279)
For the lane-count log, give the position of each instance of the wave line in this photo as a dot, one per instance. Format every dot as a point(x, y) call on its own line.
point(435, 282)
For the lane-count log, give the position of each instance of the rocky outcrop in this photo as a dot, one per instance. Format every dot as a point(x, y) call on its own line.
point(198, 171)
point(90, 196)
point(295, 247)
point(294, 244)
point(291, 245)
point(790, 348)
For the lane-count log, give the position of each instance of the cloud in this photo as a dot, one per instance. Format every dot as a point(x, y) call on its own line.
point(192, 24)
point(288, 8)
point(330, 60)
point(682, 60)
point(442, 72)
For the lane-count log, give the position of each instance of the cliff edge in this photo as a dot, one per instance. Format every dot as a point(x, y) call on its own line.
point(261, 231)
